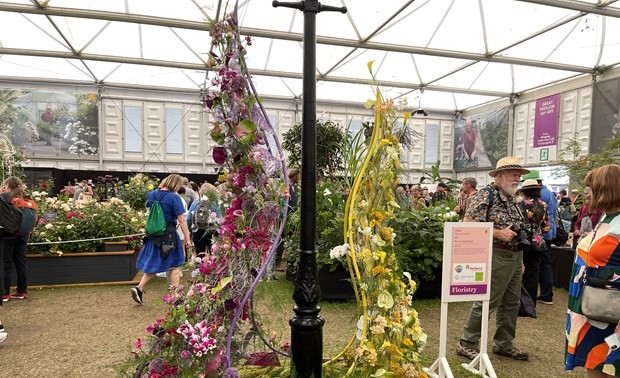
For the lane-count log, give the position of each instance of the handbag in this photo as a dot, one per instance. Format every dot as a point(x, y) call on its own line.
point(561, 235)
point(526, 307)
point(600, 299)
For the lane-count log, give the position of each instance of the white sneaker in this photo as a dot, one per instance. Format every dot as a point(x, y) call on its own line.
point(3, 335)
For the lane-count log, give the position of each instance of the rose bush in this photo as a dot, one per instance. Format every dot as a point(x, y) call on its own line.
point(83, 220)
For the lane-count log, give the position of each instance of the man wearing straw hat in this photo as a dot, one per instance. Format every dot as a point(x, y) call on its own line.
point(497, 204)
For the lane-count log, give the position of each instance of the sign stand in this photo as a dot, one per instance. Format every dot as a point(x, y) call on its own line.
point(483, 357)
point(466, 276)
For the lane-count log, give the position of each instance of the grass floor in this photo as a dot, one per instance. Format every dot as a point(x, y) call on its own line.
point(88, 331)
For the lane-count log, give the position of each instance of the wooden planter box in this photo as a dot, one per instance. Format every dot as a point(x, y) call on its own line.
point(82, 268)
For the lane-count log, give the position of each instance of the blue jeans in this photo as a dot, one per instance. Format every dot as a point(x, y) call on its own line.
point(15, 253)
point(545, 275)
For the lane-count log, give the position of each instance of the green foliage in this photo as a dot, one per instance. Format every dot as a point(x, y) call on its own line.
point(45, 130)
point(418, 244)
point(576, 166)
point(134, 191)
point(494, 135)
point(331, 141)
point(329, 224)
point(434, 176)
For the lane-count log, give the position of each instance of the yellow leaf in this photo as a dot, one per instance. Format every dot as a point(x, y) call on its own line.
point(369, 65)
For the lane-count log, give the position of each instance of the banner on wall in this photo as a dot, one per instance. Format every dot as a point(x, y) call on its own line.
point(480, 140)
point(50, 123)
point(605, 113)
point(546, 121)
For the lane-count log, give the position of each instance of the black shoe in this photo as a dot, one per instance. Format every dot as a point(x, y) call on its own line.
point(136, 294)
point(514, 353)
point(544, 301)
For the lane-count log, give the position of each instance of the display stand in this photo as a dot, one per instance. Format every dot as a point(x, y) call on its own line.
point(466, 277)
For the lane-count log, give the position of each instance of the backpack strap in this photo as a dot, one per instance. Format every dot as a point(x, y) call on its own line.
point(491, 194)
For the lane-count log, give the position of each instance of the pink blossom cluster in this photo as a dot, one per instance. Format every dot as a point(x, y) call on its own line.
point(198, 337)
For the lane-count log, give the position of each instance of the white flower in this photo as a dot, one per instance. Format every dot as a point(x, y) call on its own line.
point(367, 231)
point(69, 226)
point(377, 240)
point(339, 251)
point(326, 192)
point(49, 225)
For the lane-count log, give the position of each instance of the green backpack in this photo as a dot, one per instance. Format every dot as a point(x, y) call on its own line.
point(156, 220)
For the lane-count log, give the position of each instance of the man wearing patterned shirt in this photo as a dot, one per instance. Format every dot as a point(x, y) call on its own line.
point(497, 204)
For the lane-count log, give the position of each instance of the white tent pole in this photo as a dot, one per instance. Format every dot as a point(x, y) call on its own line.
point(581, 6)
point(264, 33)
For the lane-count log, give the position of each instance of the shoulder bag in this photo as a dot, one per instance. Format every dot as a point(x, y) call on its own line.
point(600, 299)
point(561, 235)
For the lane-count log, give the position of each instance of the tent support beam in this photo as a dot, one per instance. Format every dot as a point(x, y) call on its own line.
point(296, 37)
point(202, 67)
point(580, 6)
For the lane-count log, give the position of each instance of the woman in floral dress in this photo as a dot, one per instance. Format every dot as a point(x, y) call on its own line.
point(536, 222)
point(600, 251)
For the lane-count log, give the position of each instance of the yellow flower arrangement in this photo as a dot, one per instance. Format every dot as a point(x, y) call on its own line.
point(389, 334)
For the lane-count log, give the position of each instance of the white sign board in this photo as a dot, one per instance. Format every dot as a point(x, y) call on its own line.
point(467, 252)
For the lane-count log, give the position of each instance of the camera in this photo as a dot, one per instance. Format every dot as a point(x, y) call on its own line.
point(523, 237)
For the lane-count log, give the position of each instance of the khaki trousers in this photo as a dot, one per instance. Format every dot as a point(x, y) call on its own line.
point(505, 297)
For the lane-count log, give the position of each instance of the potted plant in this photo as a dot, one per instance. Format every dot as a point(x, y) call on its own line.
point(333, 276)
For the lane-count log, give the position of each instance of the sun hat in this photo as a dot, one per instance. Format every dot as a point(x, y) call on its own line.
point(533, 175)
point(530, 184)
point(508, 163)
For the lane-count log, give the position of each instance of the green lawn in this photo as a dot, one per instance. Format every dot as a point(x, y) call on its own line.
point(88, 331)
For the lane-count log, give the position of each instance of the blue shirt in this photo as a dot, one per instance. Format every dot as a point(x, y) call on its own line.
point(170, 203)
point(552, 209)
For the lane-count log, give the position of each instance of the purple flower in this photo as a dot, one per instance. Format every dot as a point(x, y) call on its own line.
point(231, 373)
point(184, 354)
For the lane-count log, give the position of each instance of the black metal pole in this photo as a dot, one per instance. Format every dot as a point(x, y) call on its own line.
point(306, 324)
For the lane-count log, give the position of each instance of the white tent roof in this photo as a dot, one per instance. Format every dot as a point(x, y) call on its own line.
point(461, 53)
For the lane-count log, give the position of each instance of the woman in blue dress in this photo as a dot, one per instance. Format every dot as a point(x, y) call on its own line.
point(151, 259)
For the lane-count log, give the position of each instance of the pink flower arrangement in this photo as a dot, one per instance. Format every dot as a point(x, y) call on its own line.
point(197, 333)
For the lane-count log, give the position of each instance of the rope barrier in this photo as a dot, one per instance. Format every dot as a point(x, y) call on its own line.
point(85, 240)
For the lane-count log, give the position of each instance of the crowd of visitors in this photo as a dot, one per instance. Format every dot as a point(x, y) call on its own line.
point(516, 201)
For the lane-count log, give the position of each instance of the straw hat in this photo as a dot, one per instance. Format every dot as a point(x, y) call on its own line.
point(530, 184)
point(508, 163)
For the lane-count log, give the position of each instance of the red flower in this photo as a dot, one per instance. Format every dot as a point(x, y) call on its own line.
point(219, 155)
point(43, 185)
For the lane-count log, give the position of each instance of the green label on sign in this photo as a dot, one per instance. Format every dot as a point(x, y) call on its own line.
point(544, 154)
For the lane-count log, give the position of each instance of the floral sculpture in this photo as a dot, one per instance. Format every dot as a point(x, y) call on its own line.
point(389, 336)
point(198, 336)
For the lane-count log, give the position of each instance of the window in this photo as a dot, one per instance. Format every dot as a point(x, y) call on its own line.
point(133, 128)
point(174, 131)
point(355, 125)
point(431, 146)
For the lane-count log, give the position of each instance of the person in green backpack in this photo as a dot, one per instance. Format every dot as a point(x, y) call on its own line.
point(162, 251)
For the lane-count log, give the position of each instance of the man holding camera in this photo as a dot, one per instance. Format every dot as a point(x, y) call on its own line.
point(496, 203)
